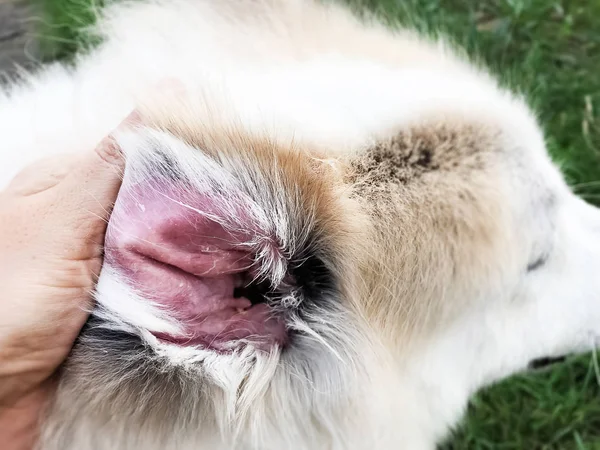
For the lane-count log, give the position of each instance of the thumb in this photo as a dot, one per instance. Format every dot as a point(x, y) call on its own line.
point(93, 182)
point(85, 197)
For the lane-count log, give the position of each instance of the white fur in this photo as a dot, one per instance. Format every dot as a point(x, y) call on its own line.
point(278, 80)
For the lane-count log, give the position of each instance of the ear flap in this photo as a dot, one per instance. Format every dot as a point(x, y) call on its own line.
point(187, 246)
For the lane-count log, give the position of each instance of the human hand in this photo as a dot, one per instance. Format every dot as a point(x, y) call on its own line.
point(53, 218)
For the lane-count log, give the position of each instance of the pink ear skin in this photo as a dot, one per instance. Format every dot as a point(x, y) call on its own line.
point(190, 265)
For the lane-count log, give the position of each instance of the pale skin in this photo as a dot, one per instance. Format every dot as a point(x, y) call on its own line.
point(53, 217)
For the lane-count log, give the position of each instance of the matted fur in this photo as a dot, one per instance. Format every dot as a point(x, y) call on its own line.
point(447, 252)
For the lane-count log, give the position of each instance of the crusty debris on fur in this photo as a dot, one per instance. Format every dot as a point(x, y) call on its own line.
point(413, 152)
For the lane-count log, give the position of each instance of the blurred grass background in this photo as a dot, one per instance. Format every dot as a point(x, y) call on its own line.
point(550, 51)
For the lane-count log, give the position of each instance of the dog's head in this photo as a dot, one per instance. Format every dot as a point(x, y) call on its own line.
point(264, 283)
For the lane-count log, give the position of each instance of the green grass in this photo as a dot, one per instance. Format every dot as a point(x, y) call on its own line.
point(550, 51)
point(63, 24)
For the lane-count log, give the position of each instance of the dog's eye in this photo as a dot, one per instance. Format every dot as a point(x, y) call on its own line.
point(537, 263)
point(542, 363)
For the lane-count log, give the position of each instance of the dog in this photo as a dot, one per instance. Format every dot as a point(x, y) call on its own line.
point(329, 235)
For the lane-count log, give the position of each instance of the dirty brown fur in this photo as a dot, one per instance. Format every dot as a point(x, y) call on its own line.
point(410, 154)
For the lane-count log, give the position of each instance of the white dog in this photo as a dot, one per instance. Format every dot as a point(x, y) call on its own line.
point(329, 235)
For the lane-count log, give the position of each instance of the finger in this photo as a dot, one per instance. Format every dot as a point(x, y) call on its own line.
point(46, 173)
point(95, 180)
point(84, 200)
point(41, 175)
point(108, 150)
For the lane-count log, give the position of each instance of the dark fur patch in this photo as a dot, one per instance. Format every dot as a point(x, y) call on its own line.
point(308, 278)
point(315, 280)
point(537, 263)
point(411, 153)
point(163, 166)
point(121, 375)
point(542, 363)
point(111, 343)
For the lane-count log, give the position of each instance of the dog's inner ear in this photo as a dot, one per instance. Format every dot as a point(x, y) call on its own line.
point(256, 292)
point(180, 254)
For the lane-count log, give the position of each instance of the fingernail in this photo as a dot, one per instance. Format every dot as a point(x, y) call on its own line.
point(109, 151)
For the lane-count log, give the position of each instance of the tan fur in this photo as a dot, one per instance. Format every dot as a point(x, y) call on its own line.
point(429, 190)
